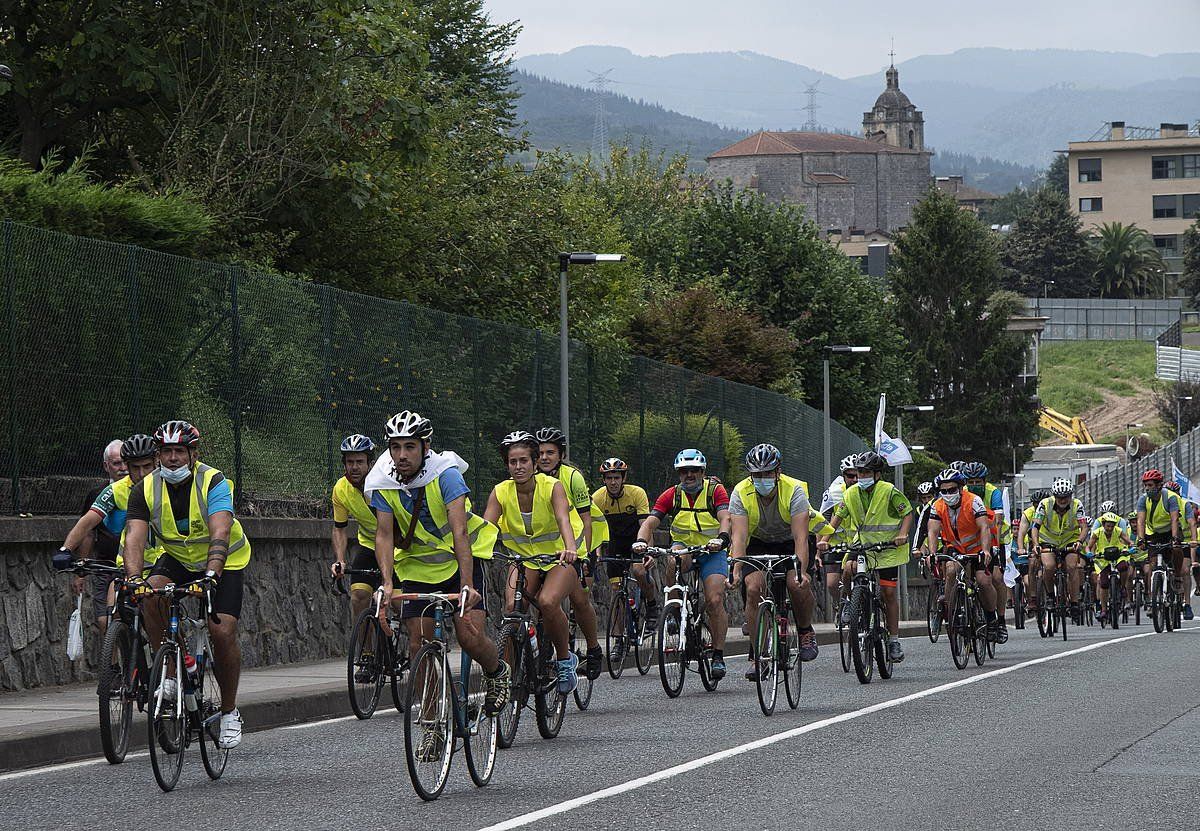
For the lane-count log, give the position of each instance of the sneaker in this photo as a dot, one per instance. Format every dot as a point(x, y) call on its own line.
point(430, 749)
point(365, 674)
point(718, 669)
point(567, 682)
point(1187, 611)
point(1102, 615)
point(846, 614)
point(895, 651)
point(168, 689)
point(808, 645)
point(231, 730)
point(495, 689)
point(752, 672)
point(1001, 632)
point(594, 656)
point(745, 628)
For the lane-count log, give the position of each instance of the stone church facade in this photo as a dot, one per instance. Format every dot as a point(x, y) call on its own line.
point(845, 183)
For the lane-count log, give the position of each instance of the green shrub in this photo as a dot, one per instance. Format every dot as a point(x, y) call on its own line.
point(653, 461)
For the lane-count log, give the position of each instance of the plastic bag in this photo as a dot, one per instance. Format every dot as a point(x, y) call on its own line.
point(75, 631)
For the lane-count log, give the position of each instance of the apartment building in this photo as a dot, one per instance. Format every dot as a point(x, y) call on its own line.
point(1140, 175)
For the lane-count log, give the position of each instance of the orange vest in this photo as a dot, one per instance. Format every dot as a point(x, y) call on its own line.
point(963, 535)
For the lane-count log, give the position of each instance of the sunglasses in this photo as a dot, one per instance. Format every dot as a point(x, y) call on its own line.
point(944, 490)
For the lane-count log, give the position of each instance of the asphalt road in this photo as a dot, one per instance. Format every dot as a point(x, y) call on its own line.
point(1044, 735)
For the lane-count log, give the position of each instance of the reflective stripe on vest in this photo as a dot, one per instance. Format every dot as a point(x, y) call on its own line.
point(699, 525)
point(191, 550)
point(872, 522)
point(355, 503)
point(430, 557)
point(961, 535)
point(1000, 523)
point(542, 536)
point(1060, 529)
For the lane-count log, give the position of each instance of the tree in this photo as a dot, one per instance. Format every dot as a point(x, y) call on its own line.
point(1127, 260)
point(1008, 208)
point(708, 332)
point(1058, 175)
point(1049, 245)
point(945, 275)
point(1189, 280)
point(1167, 398)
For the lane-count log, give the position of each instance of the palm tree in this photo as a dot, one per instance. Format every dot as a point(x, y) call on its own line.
point(1128, 260)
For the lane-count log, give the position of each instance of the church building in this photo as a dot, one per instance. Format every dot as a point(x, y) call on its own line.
point(849, 186)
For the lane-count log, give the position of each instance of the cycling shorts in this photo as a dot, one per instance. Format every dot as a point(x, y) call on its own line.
point(98, 586)
point(227, 597)
point(359, 556)
point(618, 548)
point(451, 585)
point(710, 563)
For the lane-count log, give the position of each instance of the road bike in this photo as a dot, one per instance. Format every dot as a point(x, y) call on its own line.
point(866, 631)
point(1115, 612)
point(934, 601)
point(373, 657)
point(1137, 591)
point(183, 661)
point(1053, 610)
point(1019, 600)
point(628, 625)
point(776, 641)
point(578, 644)
point(1086, 614)
point(441, 708)
point(1165, 610)
point(966, 628)
point(683, 632)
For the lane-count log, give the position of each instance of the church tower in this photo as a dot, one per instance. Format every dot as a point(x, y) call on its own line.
point(894, 120)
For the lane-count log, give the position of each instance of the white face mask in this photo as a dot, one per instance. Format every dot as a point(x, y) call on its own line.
point(179, 474)
point(952, 499)
point(866, 482)
point(764, 486)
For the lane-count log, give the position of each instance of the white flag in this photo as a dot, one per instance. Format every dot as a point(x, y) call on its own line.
point(879, 435)
point(1011, 575)
point(1185, 485)
point(894, 450)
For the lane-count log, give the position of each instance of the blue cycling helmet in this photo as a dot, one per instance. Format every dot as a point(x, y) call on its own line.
point(691, 457)
point(975, 470)
point(763, 458)
point(950, 475)
point(358, 443)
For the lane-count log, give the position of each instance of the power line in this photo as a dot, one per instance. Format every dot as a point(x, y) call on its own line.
point(599, 84)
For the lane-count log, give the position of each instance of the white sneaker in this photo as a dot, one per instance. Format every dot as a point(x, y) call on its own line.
point(231, 730)
point(168, 689)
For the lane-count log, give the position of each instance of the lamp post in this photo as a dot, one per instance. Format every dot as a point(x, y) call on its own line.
point(565, 259)
point(1046, 284)
point(906, 408)
point(1014, 457)
point(837, 349)
point(1178, 413)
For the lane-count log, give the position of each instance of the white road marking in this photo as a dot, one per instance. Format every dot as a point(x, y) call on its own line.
point(318, 723)
point(767, 741)
point(65, 766)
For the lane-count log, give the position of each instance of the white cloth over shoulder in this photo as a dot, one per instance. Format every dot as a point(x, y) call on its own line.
point(383, 474)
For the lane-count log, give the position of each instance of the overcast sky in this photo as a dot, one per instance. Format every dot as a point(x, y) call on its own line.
point(851, 37)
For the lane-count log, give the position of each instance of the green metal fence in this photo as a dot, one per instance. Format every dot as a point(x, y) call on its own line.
point(103, 340)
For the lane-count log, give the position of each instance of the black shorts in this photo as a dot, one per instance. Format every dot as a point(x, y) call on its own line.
point(451, 585)
point(359, 556)
point(98, 586)
point(785, 548)
point(227, 598)
point(619, 549)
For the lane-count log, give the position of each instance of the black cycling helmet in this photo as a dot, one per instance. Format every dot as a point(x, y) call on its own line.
point(138, 446)
point(358, 443)
point(551, 435)
point(869, 460)
point(974, 470)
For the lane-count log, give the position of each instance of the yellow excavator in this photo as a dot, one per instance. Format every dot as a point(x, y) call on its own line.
point(1070, 428)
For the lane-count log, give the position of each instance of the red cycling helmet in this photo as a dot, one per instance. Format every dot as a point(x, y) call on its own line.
point(1172, 486)
point(1152, 475)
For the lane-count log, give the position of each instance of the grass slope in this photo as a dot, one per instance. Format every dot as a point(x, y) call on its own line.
point(1081, 376)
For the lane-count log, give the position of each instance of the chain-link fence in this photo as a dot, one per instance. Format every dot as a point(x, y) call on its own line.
point(1124, 484)
point(103, 340)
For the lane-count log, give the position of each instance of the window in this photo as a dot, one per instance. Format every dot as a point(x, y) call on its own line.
point(1166, 207)
point(1089, 170)
point(1091, 205)
point(1168, 246)
point(1191, 205)
point(1191, 166)
point(910, 139)
point(1164, 167)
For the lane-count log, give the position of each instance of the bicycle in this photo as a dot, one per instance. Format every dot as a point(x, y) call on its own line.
point(966, 628)
point(1115, 612)
point(1087, 594)
point(934, 614)
point(185, 657)
point(577, 644)
point(440, 710)
point(1052, 616)
point(1164, 600)
point(531, 658)
point(776, 644)
point(371, 657)
point(1019, 601)
point(627, 624)
point(867, 630)
point(1137, 591)
point(683, 633)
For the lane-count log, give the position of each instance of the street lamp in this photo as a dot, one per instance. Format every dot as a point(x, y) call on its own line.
point(1014, 455)
point(916, 447)
point(1046, 287)
point(565, 259)
point(905, 408)
point(836, 349)
point(1178, 399)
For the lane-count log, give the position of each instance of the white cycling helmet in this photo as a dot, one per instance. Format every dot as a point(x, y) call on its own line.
point(690, 457)
point(408, 425)
point(848, 462)
point(1108, 507)
point(1061, 487)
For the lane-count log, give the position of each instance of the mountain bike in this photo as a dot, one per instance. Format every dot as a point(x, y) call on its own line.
point(777, 636)
point(683, 632)
point(1115, 612)
point(867, 632)
point(628, 625)
point(185, 657)
point(373, 657)
point(1053, 610)
point(440, 709)
point(966, 628)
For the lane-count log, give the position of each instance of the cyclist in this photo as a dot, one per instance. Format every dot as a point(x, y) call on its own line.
point(535, 518)
point(993, 499)
point(552, 448)
point(961, 523)
point(108, 511)
point(349, 501)
point(427, 537)
point(1059, 521)
point(189, 507)
point(699, 511)
point(924, 508)
point(769, 513)
point(1187, 519)
point(829, 501)
point(624, 507)
point(1110, 507)
point(1159, 520)
point(1025, 567)
point(875, 511)
point(1109, 534)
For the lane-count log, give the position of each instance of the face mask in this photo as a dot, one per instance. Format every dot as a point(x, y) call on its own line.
point(866, 482)
point(179, 474)
point(763, 486)
point(952, 499)
point(693, 489)
point(978, 490)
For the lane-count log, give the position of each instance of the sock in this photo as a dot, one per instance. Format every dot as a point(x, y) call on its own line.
point(990, 616)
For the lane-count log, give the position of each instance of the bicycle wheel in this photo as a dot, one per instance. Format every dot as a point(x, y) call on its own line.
point(480, 731)
point(208, 699)
point(672, 660)
point(364, 665)
point(1062, 611)
point(979, 633)
point(166, 720)
point(766, 642)
point(428, 730)
point(860, 634)
point(515, 650)
point(643, 646)
point(933, 612)
point(1116, 602)
point(398, 669)
point(583, 684)
point(959, 632)
point(1173, 611)
point(114, 691)
point(1045, 616)
point(616, 644)
point(790, 663)
point(1158, 605)
point(704, 655)
point(883, 658)
point(549, 705)
point(1019, 603)
point(843, 638)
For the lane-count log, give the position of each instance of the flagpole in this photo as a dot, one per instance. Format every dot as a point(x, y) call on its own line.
point(900, 487)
